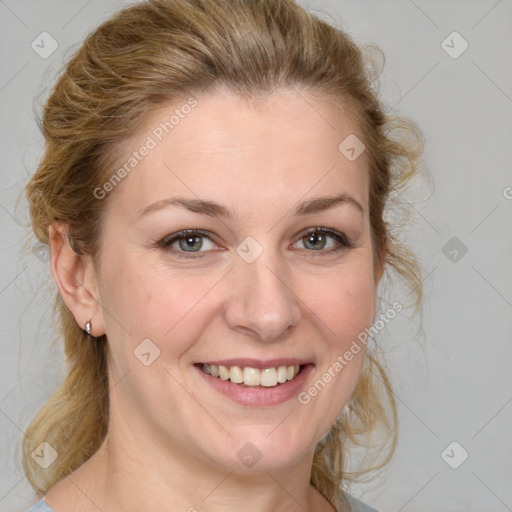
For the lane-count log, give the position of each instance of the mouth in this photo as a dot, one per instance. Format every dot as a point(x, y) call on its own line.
point(251, 382)
point(249, 376)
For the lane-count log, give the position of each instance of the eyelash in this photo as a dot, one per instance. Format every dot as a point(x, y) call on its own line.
point(166, 242)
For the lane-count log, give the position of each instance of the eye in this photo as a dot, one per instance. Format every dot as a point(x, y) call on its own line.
point(193, 243)
point(187, 241)
point(324, 240)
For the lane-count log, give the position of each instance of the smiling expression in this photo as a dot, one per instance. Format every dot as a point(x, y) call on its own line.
point(241, 241)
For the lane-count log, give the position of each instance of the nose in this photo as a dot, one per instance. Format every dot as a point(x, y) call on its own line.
point(261, 302)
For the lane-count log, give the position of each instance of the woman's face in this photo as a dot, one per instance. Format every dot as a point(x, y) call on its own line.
point(267, 281)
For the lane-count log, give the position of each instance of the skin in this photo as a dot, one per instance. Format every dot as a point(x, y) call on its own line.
point(173, 439)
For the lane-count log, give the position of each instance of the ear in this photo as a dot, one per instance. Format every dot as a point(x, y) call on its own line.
point(76, 279)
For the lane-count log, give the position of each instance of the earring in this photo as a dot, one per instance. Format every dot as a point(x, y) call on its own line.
point(88, 327)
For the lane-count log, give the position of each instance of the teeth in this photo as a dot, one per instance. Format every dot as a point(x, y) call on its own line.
point(252, 376)
point(281, 374)
point(223, 372)
point(236, 375)
point(268, 377)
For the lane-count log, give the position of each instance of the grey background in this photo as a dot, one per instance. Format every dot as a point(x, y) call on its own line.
point(453, 382)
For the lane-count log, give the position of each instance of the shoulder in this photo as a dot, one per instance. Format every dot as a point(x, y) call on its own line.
point(41, 506)
point(354, 504)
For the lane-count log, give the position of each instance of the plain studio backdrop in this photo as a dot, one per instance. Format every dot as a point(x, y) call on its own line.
point(448, 66)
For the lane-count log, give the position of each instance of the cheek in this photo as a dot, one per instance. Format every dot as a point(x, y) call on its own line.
point(345, 303)
point(345, 309)
point(146, 299)
point(150, 300)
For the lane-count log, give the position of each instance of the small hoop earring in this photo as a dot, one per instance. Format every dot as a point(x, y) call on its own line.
point(88, 327)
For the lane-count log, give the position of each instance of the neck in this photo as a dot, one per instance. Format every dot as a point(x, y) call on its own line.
point(130, 475)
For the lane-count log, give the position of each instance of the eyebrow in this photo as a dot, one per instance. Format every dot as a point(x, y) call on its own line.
point(213, 209)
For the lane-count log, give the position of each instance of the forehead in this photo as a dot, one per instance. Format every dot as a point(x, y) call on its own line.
point(224, 148)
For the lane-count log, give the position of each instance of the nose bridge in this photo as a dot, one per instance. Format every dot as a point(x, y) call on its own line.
point(261, 300)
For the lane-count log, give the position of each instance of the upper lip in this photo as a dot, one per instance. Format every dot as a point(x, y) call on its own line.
point(259, 363)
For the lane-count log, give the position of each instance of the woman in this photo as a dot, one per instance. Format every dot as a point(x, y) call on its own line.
point(212, 191)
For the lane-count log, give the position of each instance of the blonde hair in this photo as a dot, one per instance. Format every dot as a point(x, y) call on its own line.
point(152, 53)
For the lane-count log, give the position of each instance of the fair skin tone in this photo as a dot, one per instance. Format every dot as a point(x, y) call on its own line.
point(174, 440)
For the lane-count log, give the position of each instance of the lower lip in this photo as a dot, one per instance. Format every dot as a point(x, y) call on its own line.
point(259, 395)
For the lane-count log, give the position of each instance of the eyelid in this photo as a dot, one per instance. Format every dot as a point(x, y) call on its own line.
point(183, 233)
point(166, 242)
point(340, 237)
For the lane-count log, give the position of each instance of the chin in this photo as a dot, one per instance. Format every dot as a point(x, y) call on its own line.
point(265, 451)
